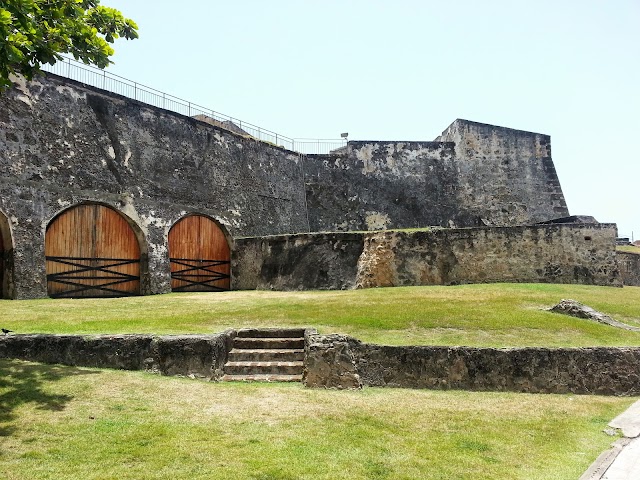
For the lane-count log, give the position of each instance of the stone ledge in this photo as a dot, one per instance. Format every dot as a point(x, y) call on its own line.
point(340, 361)
point(344, 362)
point(201, 356)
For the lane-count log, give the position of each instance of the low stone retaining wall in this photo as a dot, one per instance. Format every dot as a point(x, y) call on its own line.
point(201, 356)
point(554, 253)
point(338, 361)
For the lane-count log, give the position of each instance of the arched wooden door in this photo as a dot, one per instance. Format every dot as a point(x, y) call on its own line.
point(3, 254)
point(6, 258)
point(92, 251)
point(199, 255)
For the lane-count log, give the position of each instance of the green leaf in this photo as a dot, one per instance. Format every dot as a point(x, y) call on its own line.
point(38, 31)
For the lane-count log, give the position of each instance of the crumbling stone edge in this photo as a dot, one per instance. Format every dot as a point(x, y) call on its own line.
point(329, 362)
point(576, 309)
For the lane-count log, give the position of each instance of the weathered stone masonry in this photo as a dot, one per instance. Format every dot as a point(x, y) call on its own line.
point(507, 176)
point(339, 361)
point(629, 268)
point(473, 175)
point(201, 356)
point(578, 253)
point(63, 143)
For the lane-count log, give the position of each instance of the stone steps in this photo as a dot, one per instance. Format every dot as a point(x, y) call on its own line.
point(266, 355)
point(268, 343)
point(271, 333)
point(262, 378)
point(263, 368)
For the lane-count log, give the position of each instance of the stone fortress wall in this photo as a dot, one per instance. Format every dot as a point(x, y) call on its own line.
point(63, 143)
point(472, 175)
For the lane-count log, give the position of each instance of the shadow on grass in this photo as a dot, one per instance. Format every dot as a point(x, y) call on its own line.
point(25, 382)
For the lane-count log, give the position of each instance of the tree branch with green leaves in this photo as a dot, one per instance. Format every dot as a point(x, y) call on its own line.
point(34, 32)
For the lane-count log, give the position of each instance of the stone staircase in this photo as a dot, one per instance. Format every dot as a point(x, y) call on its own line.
point(266, 355)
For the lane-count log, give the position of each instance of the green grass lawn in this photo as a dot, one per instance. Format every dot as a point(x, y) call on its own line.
point(496, 315)
point(78, 423)
point(628, 249)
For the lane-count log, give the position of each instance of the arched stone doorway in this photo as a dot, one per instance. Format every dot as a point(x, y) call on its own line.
point(92, 251)
point(199, 254)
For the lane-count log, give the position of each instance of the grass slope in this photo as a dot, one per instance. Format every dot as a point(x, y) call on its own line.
point(496, 315)
point(628, 249)
point(79, 423)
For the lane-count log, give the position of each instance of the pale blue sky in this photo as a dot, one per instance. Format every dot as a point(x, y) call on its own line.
point(404, 70)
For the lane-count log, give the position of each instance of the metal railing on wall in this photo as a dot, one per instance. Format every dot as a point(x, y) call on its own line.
point(110, 82)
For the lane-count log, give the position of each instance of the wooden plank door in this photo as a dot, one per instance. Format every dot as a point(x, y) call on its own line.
point(199, 255)
point(91, 251)
point(3, 254)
